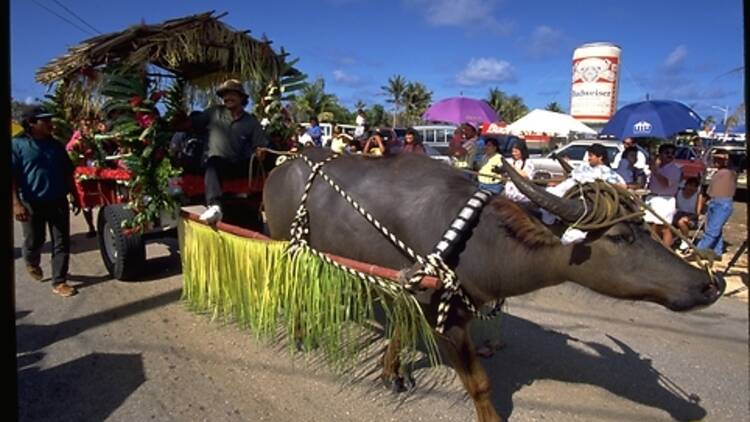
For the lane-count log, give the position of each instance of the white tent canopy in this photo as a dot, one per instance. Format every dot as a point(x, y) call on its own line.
point(548, 122)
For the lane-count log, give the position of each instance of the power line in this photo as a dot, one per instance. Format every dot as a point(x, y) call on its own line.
point(77, 17)
point(63, 18)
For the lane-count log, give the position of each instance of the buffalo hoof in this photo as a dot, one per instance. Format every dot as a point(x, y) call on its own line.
point(400, 384)
point(301, 347)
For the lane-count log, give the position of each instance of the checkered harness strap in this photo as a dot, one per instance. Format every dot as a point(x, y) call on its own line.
point(430, 265)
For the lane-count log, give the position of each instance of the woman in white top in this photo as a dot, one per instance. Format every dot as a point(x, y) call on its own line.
point(520, 161)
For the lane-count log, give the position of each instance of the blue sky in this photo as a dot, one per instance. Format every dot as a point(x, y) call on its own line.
point(687, 50)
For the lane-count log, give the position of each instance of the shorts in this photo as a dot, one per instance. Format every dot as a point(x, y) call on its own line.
point(692, 219)
point(664, 206)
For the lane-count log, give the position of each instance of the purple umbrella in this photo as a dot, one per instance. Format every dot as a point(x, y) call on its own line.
point(461, 110)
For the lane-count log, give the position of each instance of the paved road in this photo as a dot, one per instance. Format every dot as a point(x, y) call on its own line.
point(133, 352)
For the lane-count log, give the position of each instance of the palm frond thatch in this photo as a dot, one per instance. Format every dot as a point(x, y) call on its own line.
point(198, 48)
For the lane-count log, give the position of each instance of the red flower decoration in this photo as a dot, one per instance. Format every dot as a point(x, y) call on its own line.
point(135, 101)
point(145, 120)
point(159, 154)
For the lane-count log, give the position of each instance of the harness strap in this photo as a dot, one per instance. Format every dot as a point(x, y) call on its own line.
point(433, 264)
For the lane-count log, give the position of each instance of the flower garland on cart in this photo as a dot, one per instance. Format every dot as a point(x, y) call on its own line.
point(142, 137)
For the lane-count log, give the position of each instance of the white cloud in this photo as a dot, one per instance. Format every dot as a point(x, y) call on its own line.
point(472, 14)
point(484, 70)
point(29, 100)
point(676, 58)
point(344, 78)
point(544, 41)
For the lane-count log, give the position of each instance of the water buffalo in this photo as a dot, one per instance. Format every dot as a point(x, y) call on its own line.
point(508, 252)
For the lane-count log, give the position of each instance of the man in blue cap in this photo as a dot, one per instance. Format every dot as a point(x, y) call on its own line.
point(42, 177)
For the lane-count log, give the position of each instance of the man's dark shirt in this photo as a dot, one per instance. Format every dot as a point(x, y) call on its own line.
point(41, 167)
point(231, 139)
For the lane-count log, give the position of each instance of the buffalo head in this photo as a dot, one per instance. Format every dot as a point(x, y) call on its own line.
point(623, 260)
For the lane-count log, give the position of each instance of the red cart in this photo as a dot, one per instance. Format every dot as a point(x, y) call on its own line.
point(123, 251)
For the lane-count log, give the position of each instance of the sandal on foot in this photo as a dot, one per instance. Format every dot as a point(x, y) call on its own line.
point(64, 289)
point(35, 272)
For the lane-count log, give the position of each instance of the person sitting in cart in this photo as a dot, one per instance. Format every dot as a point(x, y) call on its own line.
point(233, 137)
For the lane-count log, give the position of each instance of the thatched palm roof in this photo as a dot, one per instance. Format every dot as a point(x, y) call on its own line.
point(198, 48)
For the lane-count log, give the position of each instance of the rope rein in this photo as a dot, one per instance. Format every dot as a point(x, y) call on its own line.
point(430, 265)
point(612, 204)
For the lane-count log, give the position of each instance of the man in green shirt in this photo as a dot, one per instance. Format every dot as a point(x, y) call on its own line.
point(233, 137)
point(42, 177)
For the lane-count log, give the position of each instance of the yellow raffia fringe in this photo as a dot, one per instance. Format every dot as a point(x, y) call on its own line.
point(258, 285)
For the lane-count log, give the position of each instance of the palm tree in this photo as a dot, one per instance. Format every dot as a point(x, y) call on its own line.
point(510, 108)
point(554, 106)
point(313, 101)
point(496, 98)
point(514, 108)
point(735, 119)
point(359, 105)
point(395, 90)
point(376, 115)
point(416, 100)
point(709, 122)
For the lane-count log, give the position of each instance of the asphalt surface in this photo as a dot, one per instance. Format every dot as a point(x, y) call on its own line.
point(132, 351)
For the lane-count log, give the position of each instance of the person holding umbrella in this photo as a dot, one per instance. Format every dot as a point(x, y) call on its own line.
point(466, 151)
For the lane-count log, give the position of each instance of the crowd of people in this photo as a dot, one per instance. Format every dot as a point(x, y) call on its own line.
point(676, 201)
point(221, 140)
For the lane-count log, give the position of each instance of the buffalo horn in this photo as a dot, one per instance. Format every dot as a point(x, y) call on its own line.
point(567, 209)
point(567, 168)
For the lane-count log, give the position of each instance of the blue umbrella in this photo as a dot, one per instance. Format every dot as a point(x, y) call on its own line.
point(655, 118)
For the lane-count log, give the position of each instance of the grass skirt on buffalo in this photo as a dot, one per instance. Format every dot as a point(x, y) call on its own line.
point(664, 206)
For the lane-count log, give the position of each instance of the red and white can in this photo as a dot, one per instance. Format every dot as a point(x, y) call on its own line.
point(596, 72)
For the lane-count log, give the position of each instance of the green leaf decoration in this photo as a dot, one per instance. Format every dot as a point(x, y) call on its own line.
point(258, 285)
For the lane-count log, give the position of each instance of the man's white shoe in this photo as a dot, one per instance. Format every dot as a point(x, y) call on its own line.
point(683, 246)
point(212, 215)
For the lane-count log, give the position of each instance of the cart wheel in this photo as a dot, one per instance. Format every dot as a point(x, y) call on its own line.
point(123, 254)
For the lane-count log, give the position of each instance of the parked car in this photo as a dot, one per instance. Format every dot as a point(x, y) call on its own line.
point(690, 162)
point(547, 167)
point(737, 162)
point(347, 129)
point(437, 155)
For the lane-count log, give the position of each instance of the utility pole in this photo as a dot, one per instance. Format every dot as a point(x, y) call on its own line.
point(726, 111)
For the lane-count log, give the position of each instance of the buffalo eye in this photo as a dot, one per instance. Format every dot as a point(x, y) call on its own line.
point(621, 238)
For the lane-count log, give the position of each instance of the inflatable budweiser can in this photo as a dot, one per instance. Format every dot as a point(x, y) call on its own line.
point(596, 71)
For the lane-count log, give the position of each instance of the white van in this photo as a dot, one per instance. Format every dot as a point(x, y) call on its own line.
point(436, 136)
point(348, 129)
